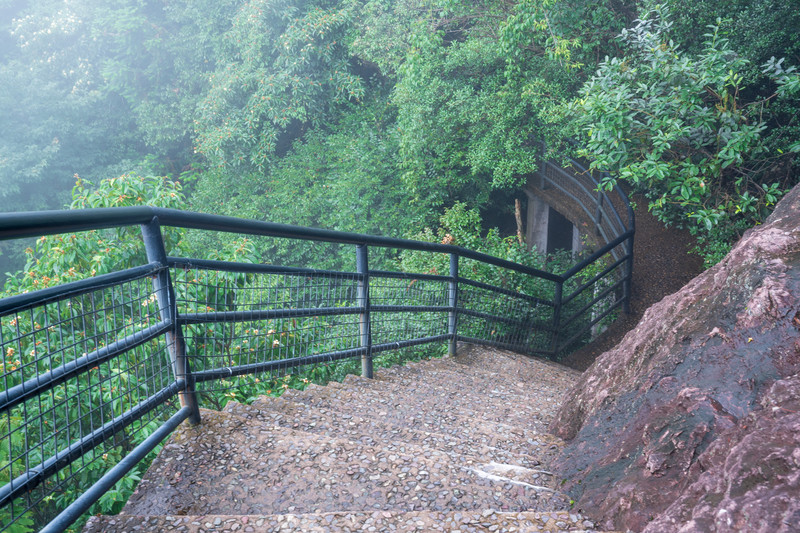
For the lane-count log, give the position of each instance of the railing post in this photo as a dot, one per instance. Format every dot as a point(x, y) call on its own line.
point(598, 217)
point(556, 316)
point(165, 295)
point(542, 163)
point(626, 287)
point(452, 297)
point(362, 267)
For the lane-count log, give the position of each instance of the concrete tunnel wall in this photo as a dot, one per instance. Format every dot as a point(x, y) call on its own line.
point(540, 232)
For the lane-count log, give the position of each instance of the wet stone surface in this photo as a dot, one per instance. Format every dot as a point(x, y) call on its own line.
point(691, 422)
point(443, 445)
point(484, 521)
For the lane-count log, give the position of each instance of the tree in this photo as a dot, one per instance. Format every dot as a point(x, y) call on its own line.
point(283, 68)
point(677, 126)
point(481, 84)
point(340, 176)
point(63, 258)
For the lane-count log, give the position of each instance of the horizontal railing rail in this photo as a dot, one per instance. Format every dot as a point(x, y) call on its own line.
point(583, 188)
point(97, 372)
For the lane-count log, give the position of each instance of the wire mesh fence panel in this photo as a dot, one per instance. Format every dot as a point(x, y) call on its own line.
point(523, 337)
point(407, 307)
point(73, 367)
point(403, 290)
point(393, 327)
point(201, 290)
point(592, 298)
point(513, 321)
point(510, 280)
point(237, 320)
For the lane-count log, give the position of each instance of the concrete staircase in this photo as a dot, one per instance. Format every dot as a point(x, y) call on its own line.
point(443, 445)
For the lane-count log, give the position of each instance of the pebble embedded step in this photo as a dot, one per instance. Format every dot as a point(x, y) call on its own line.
point(457, 423)
point(451, 386)
point(469, 444)
point(444, 419)
point(456, 444)
point(389, 399)
point(512, 363)
point(228, 465)
point(520, 375)
point(447, 374)
point(484, 521)
point(512, 366)
point(454, 392)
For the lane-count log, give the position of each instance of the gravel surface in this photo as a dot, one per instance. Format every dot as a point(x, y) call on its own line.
point(662, 265)
point(442, 445)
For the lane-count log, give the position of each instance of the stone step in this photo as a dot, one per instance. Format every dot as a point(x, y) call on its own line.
point(537, 447)
point(534, 371)
point(452, 423)
point(450, 400)
point(452, 394)
point(519, 367)
point(229, 465)
point(417, 379)
point(444, 370)
point(465, 448)
point(341, 522)
point(522, 372)
point(474, 385)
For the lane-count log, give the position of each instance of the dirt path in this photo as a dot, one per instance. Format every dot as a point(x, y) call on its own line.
point(661, 265)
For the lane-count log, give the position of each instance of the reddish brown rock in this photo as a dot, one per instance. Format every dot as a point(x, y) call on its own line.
point(691, 423)
point(750, 475)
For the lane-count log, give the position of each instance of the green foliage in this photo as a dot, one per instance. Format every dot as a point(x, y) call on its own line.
point(481, 84)
point(382, 30)
point(63, 258)
point(758, 29)
point(46, 337)
point(51, 134)
point(23, 524)
point(677, 127)
point(152, 62)
point(244, 90)
point(455, 112)
point(159, 59)
point(89, 87)
point(571, 34)
point(283, 67)
point(785, 133)
point(461, 226)
point(342, 177)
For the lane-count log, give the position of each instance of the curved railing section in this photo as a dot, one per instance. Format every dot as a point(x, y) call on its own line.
point(99, 371)
point(568, 185)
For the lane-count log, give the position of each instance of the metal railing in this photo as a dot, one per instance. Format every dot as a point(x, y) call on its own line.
point(580, 189)
point(97, 372)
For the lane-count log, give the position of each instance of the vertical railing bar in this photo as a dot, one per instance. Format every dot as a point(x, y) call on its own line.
point(556, 316)
point(364, 321)
point(168, 309)
point(598, 219)
point(452, 318)
point(626, 287)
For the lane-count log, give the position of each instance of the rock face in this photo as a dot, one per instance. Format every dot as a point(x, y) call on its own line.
point(692, 422)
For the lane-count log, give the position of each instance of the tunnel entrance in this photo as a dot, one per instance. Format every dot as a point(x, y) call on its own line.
point(559, 232)
point(548, 230)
